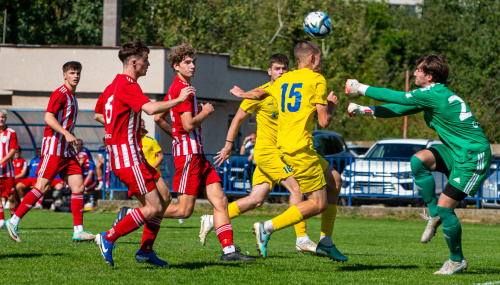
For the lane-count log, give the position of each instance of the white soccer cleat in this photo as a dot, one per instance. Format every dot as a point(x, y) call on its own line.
point(430, 229)
point(451, 267)
point(308, 246)
point(181, 221)
point(38, 206)
point(206, 226)
point(99, 186)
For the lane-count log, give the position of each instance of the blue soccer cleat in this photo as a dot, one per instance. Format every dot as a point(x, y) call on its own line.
point(106, 248)
point(12, 231)
point(262, 239)
point(150, 258)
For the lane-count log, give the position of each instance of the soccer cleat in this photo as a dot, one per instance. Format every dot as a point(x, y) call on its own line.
point(181, 221)
point(236, 256)
point(308, 246)
point(451, 267)
point(430, 229)
point(262, 239)
point(121, 214)
point(99, 186)
point(206, 227)
point(331, 252)
point(106, 248)
point(150, 258)
point(83, 236)
point(38, 206)
point(12, 231)
point(2, 225)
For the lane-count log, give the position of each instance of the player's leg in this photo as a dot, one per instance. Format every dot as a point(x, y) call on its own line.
point(2, 215)
point(223, 227)
point(75, 183)
point(21, 190)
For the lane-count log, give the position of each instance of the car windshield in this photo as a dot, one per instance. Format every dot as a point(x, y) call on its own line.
point(393, 150)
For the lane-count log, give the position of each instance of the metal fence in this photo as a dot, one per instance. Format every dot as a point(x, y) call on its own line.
point(365, 179)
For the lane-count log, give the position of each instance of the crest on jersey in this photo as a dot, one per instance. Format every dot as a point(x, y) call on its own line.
point(4, 139)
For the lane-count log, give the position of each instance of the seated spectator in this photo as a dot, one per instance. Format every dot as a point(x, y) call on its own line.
point(102, 152)
point(20, 169)
point(79, 148)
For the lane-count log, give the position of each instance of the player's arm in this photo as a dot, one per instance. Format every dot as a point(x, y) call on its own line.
point(382, 94)
point(383, 111)
point(99, 117)
point(225, 153)
point(88, 178)
point(23, 172)
point(8, 157)
point(254, 94)
point(159, 159)
point(189, 123)
point(50, 119)
point(152, 108)
point(325, 112)
point(163, 124)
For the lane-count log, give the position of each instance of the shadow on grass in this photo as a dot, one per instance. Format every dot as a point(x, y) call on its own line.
point(362, 267)
point(44, 228)
point(27, 255)
point(198, 265)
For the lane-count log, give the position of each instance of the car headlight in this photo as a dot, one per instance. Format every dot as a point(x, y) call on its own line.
point(403, 175)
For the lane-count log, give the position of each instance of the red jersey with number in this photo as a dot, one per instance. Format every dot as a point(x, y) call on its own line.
point(184, 142)
point(20, 165)
point(121, 105)
point(8, 141)
point(64, 106)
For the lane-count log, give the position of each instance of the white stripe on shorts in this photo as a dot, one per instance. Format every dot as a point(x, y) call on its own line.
point(185, 174)
point(477, 173)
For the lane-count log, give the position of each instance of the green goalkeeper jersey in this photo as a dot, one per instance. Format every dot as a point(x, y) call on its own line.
point(444, 111)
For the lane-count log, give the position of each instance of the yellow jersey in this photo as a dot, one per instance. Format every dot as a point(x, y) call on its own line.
point(266, 114)
point(297, 93)
point(150, 147)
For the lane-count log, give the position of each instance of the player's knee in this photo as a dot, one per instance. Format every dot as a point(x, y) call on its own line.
point(419, 168)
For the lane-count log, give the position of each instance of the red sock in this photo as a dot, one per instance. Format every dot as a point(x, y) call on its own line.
point(40, 201)
point(225, 235)
point(149, 234)
point(2, 216)
point(28, 202)
point(130, 223)
point(12, 210)
point(77, 208)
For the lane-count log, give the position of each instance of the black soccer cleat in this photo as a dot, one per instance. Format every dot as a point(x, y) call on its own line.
point(236, 256)
point(121, 214)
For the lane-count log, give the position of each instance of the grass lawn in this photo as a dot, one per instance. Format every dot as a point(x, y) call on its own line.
point(380, 251)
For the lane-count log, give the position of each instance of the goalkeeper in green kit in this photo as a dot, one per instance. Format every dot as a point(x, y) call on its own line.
point(464, 157)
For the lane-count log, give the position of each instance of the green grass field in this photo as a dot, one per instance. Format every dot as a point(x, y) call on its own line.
point(379, 251)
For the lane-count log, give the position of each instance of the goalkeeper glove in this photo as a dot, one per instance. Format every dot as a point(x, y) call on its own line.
point(353, 86)
point(355, 110)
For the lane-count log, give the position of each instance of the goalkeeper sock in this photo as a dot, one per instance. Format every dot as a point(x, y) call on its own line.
point(452, 231)
point(425, 183)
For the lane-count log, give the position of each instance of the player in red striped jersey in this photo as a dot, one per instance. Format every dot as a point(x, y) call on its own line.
point(119, 109)
point(194, 174)
point(8, 146)
point(58, 154)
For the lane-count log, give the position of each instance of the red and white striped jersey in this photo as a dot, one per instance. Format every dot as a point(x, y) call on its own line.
point(121, 105)
point(8, 141)
point(184, 143)
point(64, 106)
point(20, 165)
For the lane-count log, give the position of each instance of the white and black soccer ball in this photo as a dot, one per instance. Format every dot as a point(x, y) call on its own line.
point(317, 24)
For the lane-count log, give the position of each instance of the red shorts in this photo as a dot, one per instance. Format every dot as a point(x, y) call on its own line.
point(17, 180)
point(140, 179)
point(57, 181)
point(51, 165)
point(7, 186)
point(193, 173)
point(28, 182)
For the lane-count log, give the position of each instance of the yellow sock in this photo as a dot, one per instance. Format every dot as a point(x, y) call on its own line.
point(300, 229)
point(290, 217)
point(328, 220)
point(233, 210)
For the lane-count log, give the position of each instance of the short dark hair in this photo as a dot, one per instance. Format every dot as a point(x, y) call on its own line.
point(304, 48)
point(72, 65)
point(435, 65)
point(278, 58)
point(179, 53)
point(133, 48)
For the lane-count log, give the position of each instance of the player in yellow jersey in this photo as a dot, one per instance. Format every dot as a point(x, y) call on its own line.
point(270, 168)
point(300, 95)
point(151, 149)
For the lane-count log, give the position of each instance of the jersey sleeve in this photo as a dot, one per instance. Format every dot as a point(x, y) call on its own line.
point(98, 105)
point(186, 106)
point(321, 92)
point(274, 90)
point(91, 165)
point(134, 98)
point(25, 166)
point(13, 144)
point(56, 102)
point(418, 97)
point(395, 110)
point(250, 106)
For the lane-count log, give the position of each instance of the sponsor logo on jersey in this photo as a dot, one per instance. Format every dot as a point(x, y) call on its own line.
point(408, 95)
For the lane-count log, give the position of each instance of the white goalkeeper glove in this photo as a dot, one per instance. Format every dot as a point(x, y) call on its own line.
point(353, 86)
point(355, 110)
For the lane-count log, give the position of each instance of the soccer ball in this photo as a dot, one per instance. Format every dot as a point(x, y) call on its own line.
point(317, 24)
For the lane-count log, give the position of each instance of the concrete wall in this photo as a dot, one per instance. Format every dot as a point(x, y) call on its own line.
point(31, 73)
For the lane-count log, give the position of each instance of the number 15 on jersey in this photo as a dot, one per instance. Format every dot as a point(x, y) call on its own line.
point(292, 93)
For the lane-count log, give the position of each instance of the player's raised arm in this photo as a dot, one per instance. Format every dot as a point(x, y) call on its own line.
point(225, 152)
point(386, 95)
point(255, 94)
point(383, 111)
point(325, 112)
point(152, 108)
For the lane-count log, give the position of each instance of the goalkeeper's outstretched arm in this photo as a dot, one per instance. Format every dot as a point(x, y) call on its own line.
point(383, 111)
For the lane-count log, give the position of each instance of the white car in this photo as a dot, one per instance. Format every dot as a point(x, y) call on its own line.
point(385, 172)
point(491, 189)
